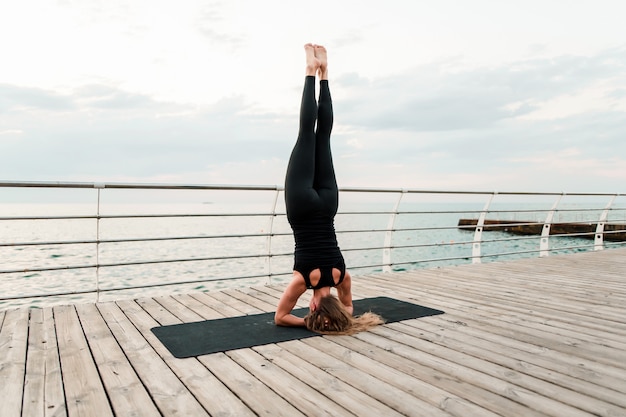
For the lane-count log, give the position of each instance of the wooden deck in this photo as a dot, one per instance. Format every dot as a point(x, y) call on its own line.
point(526, 338)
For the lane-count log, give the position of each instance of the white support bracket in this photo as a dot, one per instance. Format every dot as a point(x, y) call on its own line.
point(389, 235)
point(598, 242)
point(478, 232)
point(544, 243)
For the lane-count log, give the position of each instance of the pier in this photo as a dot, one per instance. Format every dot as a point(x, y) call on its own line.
point(612, 232)
point(530, 337)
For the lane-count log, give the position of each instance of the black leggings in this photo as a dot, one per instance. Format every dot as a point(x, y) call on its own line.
point(311, 194)
point(310, 183)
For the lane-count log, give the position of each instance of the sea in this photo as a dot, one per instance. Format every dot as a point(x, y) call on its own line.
point(161, 248)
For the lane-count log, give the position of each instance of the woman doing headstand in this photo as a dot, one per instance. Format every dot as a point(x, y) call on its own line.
point(312, 199)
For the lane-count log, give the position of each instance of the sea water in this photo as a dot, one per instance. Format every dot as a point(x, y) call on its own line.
point(425, 236)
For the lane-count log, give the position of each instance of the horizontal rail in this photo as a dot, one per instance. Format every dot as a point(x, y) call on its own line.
point(134, 240)
point(148, 186)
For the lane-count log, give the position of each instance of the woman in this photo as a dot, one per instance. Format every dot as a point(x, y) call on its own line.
point(312, 199)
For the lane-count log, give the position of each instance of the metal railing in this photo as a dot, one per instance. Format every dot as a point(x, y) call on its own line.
point(113, 247)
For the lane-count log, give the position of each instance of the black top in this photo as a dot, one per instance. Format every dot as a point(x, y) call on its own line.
point(316, 242)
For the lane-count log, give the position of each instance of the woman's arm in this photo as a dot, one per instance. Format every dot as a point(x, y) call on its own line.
point(344, 293)
point(283, 316)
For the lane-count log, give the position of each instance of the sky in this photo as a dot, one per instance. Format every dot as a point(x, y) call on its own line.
point(491, 95)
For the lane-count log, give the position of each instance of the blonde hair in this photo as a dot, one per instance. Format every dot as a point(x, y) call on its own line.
point(331, 317)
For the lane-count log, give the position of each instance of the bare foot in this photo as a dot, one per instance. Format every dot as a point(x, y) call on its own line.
point(320, 54)
point(312, 63)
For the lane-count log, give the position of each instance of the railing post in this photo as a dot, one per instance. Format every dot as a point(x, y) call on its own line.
point(598, 242)
point(544, 244)
point(98, 187)
point(387, 266)
point(478, 233)
point(269, 238)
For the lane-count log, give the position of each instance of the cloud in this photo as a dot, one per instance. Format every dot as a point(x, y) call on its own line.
point(485, 113)
point(113, 132)
point(212, 24)
point(503, 127)
point(13, 97)
point(102, 96)
point(617, 93)
point(429, 98)
point(11, 132)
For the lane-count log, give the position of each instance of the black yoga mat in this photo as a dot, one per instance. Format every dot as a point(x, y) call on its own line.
point(210, 336)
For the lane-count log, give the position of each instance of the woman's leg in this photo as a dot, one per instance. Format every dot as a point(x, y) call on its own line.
point(299, 180)
point(325, 180)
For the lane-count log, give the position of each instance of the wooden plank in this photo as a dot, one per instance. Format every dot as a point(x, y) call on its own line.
point(571, 320)
point(562, 268)
point(54, 392)
point(530, 337)
point(495, 331)
point(350, 398)
point(523, 362)
point(402, 374)
point(34, 380)
point(498, 397)
point(156, 311)
point(184, 307)
point(171, 306)
point(277, 291)
point(592, 350)
point(168, 392)
point(483, 361)
point(261, 399)
point(243, 296)
point(233, 302)
point(588, 344)
point(363, 381)
point(306, 399)
point(84, 391)
point(520, 311)
point(196, 306)
point(43, 387)
point(127, 394)
point(598, 342)
point(216, 398)
point(215, 304)
point(257, 397)
point(557, 300)
point(539, 286)
point(270, 300)
point(13, 345)
point(574, 397)
point(489, 335)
